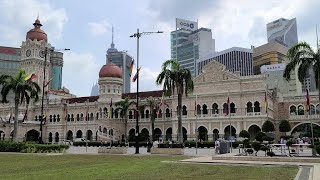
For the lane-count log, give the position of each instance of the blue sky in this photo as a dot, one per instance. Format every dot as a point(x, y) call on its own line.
point(85, 28)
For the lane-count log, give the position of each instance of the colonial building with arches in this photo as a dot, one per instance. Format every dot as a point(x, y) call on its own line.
point(205, 111)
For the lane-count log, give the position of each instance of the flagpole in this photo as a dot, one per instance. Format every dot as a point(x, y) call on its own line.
point(230, 122)
point(196, 129)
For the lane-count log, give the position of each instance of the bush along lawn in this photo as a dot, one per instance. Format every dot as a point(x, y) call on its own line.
point(10, 146)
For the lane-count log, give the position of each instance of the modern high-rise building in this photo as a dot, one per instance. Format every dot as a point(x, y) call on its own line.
point(268, 54)
point(9, 60)
point(283, 31)
point(123, 60)
point(235, 59)
point(188, 43)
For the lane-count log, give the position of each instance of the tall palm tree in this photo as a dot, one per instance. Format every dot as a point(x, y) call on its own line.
point(176, 79)
point(23, 91)
point(123, 106)
point(153, 104)
point(303, 56)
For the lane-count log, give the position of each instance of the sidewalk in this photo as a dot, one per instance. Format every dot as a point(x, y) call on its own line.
point(307, 171)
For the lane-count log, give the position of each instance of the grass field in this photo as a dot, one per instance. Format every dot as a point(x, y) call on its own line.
point(26, 166)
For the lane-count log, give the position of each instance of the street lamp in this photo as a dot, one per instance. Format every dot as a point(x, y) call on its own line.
point(138, 35)
point(43, 85)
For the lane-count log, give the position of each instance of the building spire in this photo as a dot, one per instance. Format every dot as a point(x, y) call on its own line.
point(112, 44)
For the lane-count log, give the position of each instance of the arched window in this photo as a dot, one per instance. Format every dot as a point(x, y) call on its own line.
point(58, 118)
point(215, 108)
point(130, 115)
point(142, 114)
point(184, 110)
point(198, 109)
point(116, 114)
point(105, 131)
point(108, 89)
point(54, 118)
point(72, 118)
point(36, 118)
point(312, 110)
point(147, 113)
point(300, 110)
point(160, 113)
point(97, 116)
point(81, 117)
point(68, 119)
point(249, 107)
point(225, 108)
point(232, 108)
point(293, 110)
point(204, 109)
point(50, 119)
point(167, 112)
point(256, 106)
point(78, 117)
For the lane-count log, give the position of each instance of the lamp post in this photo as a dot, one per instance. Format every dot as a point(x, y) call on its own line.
point(43, 87)
point(138, 35)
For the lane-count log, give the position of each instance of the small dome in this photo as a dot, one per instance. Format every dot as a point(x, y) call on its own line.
point(36, 32)
point(110, 70)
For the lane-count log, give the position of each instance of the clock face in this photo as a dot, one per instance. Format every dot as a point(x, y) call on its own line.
point(41, 54)
point(28, 53)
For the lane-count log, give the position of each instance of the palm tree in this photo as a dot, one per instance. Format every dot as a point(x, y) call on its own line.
point(176, 79)
point(123, 107)
point(303, 56)
point(23, 90)
point(153, 103)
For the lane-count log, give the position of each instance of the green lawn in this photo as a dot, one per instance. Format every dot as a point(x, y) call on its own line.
point(25, 166)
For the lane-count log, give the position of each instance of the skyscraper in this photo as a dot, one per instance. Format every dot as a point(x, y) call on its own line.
point(188, 43)
point(123, 60)
point(283, 31)
point(235, 59)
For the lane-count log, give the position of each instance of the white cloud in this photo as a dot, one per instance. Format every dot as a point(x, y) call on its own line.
point(79, 72)
point(99, 28)
point(18, 16)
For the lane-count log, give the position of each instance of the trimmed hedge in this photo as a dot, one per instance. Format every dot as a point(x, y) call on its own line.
point(170, 146)
point(11, 146)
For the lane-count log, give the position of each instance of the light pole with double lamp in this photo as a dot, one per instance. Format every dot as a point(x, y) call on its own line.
point(46, 51)
point(138, 35)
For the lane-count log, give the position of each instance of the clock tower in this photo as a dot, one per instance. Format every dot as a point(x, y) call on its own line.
point(33, 53)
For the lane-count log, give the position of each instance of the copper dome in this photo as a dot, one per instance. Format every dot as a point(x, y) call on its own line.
point(110, 70)
point(36, 32)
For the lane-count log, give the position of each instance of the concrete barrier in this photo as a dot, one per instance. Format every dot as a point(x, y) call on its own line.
point(269, 159)
point(113, 150)
point(170, 151)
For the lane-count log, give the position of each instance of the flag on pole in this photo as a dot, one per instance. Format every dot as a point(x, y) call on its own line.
point(48, 82)
point(136, 75)
point(30, 77)
point(307, 101)
point(265, 102)
point(131, 68)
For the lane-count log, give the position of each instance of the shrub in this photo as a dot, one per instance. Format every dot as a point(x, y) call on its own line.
point(270, 153)
point(10, 146)
point(286, 137)
point(256, 146)
point(170, 145)
point(318, 149)
point(259, 136)
point(284, 126)
point(267, 138)
point(244, 134)
point(250, 151)
point(267, 126)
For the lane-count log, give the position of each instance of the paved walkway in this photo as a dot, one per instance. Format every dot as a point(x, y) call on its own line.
point(307, 171)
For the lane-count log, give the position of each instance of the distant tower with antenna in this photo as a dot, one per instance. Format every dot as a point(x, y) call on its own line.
point(121, 59)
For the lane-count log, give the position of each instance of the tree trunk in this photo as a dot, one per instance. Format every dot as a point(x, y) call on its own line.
point(152, 125)
point(125, 128)
point(180, 133)
point(16, 114)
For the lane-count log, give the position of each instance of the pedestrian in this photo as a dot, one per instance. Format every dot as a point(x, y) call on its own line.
point(217, 146)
